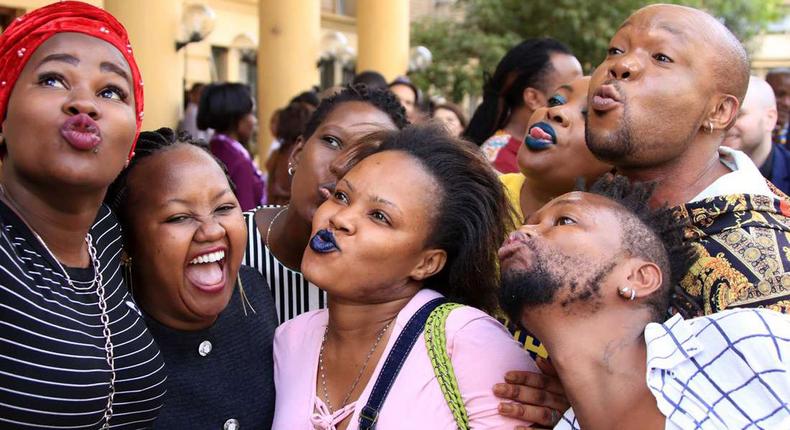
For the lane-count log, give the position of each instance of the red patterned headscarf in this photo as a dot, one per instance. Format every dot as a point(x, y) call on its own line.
point(26, 33)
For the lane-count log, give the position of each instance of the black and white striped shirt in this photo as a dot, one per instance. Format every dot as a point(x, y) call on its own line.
point(293, 295)
point(53, 369)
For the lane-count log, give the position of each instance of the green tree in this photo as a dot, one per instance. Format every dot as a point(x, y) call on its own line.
point(464, 50)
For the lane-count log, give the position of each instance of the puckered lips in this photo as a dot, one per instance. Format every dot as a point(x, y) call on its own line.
point(205, 270)
point(540, 136)
point(514, 243)
point(606, 98)
point(81, 132)
point(323, 242)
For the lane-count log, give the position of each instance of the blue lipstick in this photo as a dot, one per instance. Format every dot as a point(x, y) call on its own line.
point(324, 242)
point(540, 136)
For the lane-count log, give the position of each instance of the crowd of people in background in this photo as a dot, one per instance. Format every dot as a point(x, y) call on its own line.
point(596, 251)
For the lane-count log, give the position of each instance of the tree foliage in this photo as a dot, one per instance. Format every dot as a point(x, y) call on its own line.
point(464, 50)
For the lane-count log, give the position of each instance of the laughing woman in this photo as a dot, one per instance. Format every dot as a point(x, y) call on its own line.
point(75, 352)
point(385, 249)
point(185, 238)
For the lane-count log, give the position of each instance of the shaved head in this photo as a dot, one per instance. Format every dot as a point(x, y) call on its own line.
point(760, 94)
point(728, 57)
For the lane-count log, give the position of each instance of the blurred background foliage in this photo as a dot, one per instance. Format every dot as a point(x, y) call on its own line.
point(466, 48)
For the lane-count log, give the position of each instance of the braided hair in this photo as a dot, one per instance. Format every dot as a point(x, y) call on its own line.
point(150, 143)
point(525, 65)
point(382, 99)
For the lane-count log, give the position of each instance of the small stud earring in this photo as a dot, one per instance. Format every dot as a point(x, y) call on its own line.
point(291, 170)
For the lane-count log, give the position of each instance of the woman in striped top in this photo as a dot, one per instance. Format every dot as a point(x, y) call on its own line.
point(278, 235)
point(74, 352)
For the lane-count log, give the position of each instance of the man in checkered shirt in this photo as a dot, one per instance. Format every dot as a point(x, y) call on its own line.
point(591, 275)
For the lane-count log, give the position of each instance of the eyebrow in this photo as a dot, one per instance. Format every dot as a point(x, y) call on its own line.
point(376, 199)
point(63, 58)
point(186, 202)
point(565, 87)
point(105, 66)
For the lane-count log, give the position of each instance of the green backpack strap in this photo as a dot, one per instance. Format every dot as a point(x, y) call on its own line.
point(436, 343)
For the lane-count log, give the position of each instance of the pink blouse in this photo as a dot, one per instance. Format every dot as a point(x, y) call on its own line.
point(479, 347)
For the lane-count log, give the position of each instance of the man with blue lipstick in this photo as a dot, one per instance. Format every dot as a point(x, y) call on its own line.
point(660, 105)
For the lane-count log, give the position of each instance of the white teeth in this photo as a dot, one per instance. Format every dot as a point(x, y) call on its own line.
point(208, 258)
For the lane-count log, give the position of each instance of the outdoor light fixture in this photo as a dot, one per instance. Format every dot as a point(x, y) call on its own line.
point(336, 47)
point(420, 58)
point(197, 23)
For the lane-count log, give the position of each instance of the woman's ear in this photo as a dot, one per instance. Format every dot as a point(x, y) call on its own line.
point(431, 263)
point(534, 99)
point(293, 159)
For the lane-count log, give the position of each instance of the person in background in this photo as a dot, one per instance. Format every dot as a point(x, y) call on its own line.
point(309, 97)
point(519, 86)
point(591, 274)
point(279, 234)
point(384, 249)
point(189, 123)
point(184, 238)
point(74, 350)
point(409, 97)
point(752, 134)
point(554, 156)
point(373, 80)
point(291, 124)
point(779, 80)
point(452, 116)
point(228, 108)
point(662, 118)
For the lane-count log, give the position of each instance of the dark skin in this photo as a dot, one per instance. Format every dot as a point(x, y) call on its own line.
point(56, 188)
point(380, 224)
point(553, 171)
point(313, 180)
point(565, 69)
point(605, 385)
point(659, 84)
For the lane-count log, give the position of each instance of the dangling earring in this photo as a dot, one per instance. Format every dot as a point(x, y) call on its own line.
point(291, 169)
point(126, 262)
point(627, 292)
point(710, 127)
point(244, 300)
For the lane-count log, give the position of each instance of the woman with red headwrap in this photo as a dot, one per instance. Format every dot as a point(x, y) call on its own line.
point(75, 352)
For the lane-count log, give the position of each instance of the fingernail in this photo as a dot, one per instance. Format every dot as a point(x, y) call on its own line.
point(500, 389)
point(505, 407)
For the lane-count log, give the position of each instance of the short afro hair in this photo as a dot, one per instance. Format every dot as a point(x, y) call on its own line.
point(656, 235)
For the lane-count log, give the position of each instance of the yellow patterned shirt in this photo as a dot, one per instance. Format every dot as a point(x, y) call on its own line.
point(743, 244)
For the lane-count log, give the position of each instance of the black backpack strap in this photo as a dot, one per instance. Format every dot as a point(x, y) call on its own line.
point(394, 362)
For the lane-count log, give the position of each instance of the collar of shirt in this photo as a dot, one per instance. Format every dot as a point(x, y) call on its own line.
point(745, 177)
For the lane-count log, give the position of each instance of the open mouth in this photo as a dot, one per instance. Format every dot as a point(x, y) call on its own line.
point(206, 271)
point(324, 242)
point(540, 136)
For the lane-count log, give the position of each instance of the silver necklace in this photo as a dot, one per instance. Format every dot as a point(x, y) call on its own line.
point(271, 224)
point(322, 369)
point(98, 280)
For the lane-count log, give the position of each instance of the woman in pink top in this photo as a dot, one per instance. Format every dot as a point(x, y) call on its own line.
point(420, 217)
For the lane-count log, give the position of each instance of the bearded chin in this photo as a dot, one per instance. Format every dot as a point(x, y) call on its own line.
point(611, 147)
point(523, 290)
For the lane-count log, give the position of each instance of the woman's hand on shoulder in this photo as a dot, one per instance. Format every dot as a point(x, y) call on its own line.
point(533, 397)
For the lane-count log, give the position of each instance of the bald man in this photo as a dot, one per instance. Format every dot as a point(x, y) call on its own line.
point(752, 134)
point(660, 105)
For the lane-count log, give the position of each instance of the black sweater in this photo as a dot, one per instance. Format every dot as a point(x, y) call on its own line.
point(235, 380)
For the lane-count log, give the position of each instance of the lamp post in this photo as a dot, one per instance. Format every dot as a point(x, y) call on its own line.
point(197, 22)
point(420, 58)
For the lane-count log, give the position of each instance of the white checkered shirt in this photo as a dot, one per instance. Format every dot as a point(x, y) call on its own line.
point(729, 370)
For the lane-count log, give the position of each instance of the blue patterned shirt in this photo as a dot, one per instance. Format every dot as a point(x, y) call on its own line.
point(729, 370)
